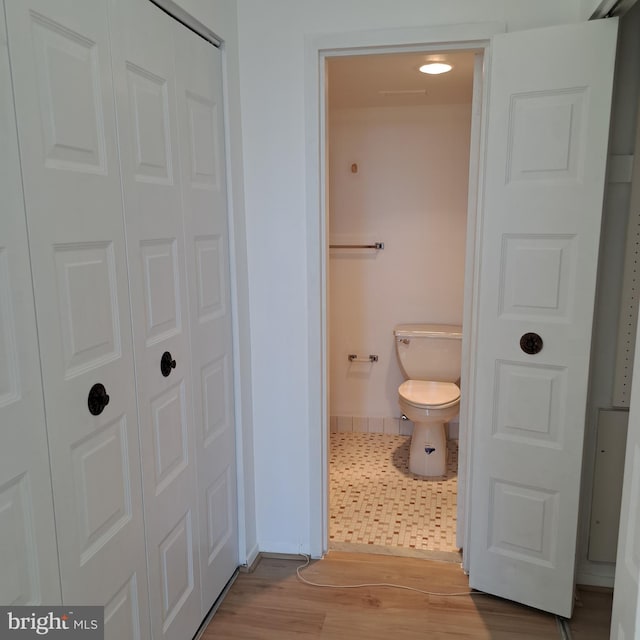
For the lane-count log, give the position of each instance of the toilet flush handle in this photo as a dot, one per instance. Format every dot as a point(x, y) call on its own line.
point(404, 340)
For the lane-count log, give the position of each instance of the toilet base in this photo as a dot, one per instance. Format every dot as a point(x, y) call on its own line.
point(428, 453)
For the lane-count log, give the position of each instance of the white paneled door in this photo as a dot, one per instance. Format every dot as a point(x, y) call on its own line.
point(28, 553)
point(150, 151)
point(61, 70)
point(202, 163)
point(144, 75)
point(123, 214)
point(546, 149)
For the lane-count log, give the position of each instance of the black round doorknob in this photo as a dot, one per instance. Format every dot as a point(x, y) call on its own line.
point(531, 343)
point(98, 399)
point(167, 363)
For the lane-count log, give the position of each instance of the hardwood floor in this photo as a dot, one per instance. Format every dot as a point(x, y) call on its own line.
point(272, 604)
point(591, 615)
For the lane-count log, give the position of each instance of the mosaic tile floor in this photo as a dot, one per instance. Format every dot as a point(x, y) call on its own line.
point(375, 500)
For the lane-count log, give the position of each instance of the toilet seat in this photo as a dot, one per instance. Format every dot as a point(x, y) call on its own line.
point(428, 393)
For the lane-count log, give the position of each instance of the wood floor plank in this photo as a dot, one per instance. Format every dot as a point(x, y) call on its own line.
point(272, 604)
point(591, 615)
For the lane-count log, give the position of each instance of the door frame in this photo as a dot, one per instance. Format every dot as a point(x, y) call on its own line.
point(317, 50)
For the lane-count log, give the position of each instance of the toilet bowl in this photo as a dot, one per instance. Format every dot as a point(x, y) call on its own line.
point(429, 405)
point(430, 357)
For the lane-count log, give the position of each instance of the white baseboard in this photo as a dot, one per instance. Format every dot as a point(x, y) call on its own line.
point(251, 559)
point(596, 574)
point(389, 425)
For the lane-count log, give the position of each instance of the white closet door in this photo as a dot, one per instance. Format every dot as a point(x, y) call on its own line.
point(62, 79)
point(29, 572)
point(201, 133)
point(145, 97)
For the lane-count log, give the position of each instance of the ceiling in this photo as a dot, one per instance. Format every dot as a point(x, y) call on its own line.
point(393, 79)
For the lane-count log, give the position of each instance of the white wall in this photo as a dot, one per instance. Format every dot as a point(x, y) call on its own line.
point(281, 278)
point(411, 193)
point(221, 17)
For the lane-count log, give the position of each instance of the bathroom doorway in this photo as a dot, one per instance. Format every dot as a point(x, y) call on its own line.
point(398, 149)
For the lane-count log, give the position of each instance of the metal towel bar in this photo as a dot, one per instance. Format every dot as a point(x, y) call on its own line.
point(375, 245)
point(354, 358)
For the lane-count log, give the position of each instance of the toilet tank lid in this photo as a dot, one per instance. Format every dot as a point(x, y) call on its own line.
point(428, 331)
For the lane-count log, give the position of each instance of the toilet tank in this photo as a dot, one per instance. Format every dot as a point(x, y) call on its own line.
point(429, 351)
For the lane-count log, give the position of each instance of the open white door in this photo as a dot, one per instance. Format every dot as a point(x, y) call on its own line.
point(545, 159)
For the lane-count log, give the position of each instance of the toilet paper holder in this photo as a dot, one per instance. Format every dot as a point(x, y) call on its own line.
point(355, 358)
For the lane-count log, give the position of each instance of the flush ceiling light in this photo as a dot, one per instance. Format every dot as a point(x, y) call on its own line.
point(435, 67)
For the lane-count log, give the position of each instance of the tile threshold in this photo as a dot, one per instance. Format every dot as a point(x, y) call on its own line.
point(403, 552)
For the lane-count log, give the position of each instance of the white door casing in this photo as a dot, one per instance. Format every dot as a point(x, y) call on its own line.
point(625, 621)
point(202, 164)
point(625, 616)
point(544, 168)
point(144, 78)
point(66, 128)
point(28, 552)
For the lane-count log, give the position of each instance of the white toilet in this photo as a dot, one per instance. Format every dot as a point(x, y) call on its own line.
point(430, 358)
